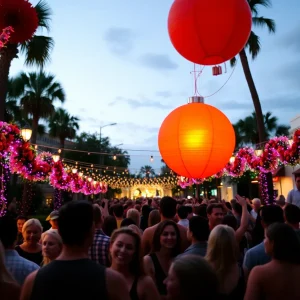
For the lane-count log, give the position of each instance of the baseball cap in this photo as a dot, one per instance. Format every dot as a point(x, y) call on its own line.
point(53, 215)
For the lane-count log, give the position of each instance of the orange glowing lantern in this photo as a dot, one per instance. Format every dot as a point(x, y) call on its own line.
point(196, 140)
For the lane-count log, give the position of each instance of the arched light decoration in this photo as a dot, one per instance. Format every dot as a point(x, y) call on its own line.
point(26, 133)
point(209, 32)
point(196, 140)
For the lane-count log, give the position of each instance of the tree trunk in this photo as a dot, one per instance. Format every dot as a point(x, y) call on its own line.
point(259, 120)
point(35, 123)
point(7, 54)
point(254, 95)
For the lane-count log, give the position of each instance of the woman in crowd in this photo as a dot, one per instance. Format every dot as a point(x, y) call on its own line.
point(278, 279)
point(190, 278)
point(51, 245)
point(134, 215)
point(9, 288)
point(223, 254)
point(125, 253)
point(165, 247)
point(31, 249)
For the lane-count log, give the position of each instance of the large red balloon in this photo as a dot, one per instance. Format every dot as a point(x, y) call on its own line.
point(196, 140)
point(209, 32)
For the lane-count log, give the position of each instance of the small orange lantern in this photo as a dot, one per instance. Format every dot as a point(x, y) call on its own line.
point(196, 140)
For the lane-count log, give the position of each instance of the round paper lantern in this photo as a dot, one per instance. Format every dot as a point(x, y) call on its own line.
point(21, 16)
point(196, 140)
point(209, 32)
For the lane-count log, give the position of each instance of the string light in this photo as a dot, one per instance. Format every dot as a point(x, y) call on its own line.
point(57, 199)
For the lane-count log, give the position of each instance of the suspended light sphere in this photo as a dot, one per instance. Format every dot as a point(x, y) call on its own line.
point(209, 32)
point(55, 157)
point(26, 133)
point(196, 140)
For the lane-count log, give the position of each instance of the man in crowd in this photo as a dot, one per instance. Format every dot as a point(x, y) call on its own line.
point(294, 195)
point(20, 222)
point(53, 219)
point(215, 214)
point(197, 234)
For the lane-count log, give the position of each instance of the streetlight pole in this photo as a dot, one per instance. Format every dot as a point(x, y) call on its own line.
point(100, 147)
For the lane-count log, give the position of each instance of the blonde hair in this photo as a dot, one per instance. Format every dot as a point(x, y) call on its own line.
point(134, 215)
point(30, 222)
point(54, 233)
point(222, 250)
point(5, 276)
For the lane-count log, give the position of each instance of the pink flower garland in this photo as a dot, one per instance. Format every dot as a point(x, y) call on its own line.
point(5, 35)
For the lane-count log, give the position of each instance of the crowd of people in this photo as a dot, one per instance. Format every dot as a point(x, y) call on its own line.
point(154, 249)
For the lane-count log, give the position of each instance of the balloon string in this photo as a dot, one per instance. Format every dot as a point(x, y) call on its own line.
point(224, 82)
point(196, 77)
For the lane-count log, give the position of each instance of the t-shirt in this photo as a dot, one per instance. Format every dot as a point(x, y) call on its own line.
point(253, 213)
point(256, 256)
point(294, 197)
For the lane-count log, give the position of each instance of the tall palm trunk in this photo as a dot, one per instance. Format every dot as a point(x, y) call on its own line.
point(7, 54)
point(35, 124)
point(254, 95)
point(259, 120)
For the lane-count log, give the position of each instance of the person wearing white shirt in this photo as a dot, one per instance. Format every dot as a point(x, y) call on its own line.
point(294, 195)
point(182, 214)
point(256, 203)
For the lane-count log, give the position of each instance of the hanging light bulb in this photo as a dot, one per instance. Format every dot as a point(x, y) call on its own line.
point(55, 157)
point(258, 152)
point(151, 158)
point(89, 179)
point(114, 157)
point(80, 174)
point(74, 170)
point(59, 150)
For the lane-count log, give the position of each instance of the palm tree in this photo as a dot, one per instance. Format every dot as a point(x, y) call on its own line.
point(147, 171)
point(247, 133)
point(253, 45)
point(36, 50)
point(37, 92)
point(63, 126)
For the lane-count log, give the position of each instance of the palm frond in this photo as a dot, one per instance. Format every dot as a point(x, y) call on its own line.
point(282, 130)
point(44, 13)
point(37, 50)
point(255, 3)
point(264, 22)
point(233, 62)
point(253, 45)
